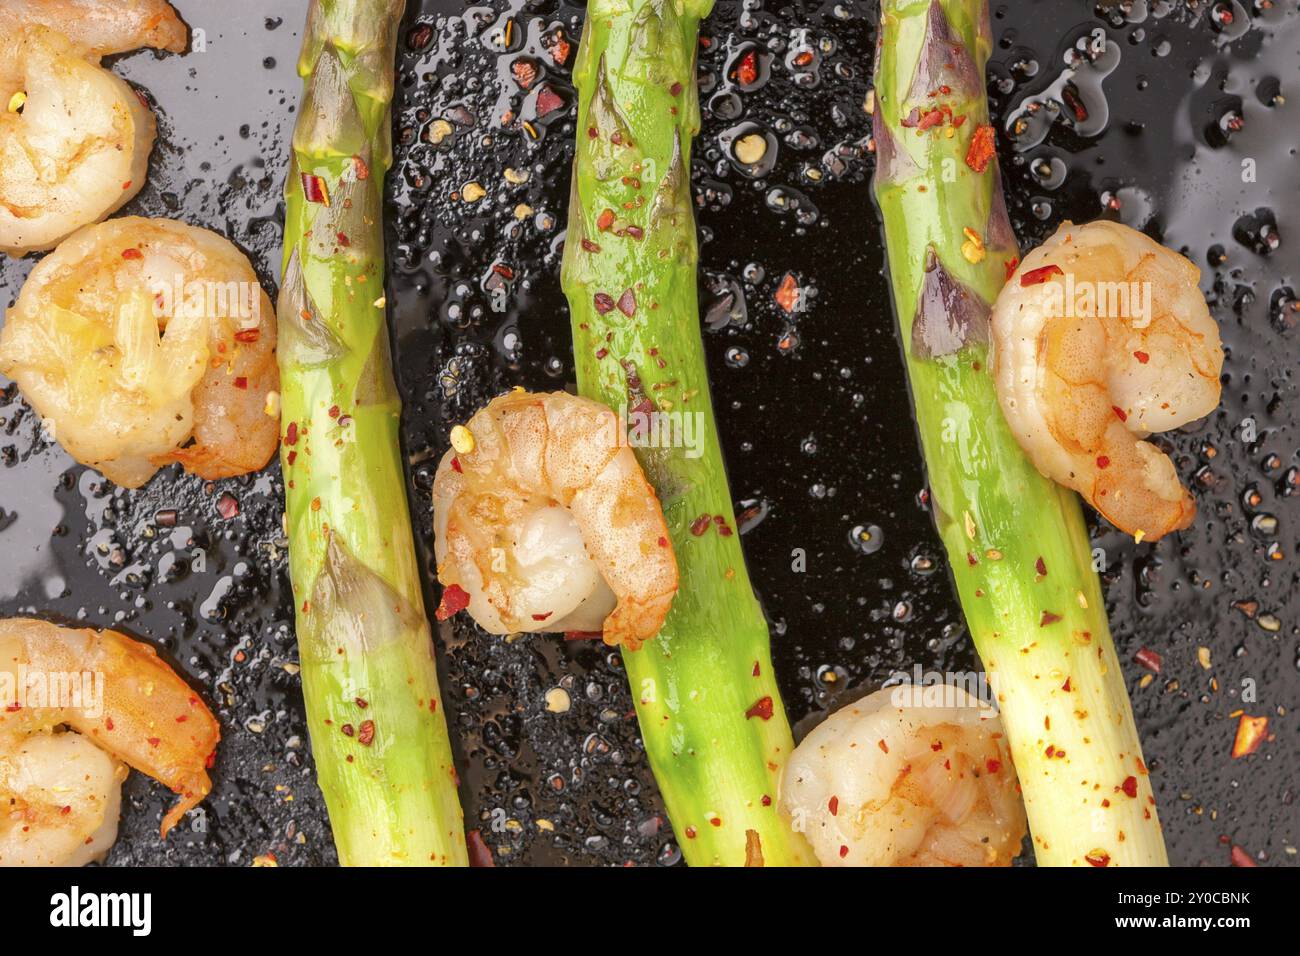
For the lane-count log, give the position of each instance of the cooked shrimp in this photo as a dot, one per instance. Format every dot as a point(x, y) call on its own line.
point(101, 27)
point(138, 334)
point(1101, 338)
point(544, 521)
point(901, 778)
point(74, 138)
point(60, 798)
point(110, 692)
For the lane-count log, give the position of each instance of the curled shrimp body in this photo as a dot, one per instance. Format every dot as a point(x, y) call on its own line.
point(137, 335)
point(74, 138)
point(67, 689)
point(1101, 338)
point(548, 523)
point(907, 776)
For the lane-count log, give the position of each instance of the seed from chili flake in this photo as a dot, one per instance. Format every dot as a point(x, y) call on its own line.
point(627, 303)
point(462, 439)
point(367, 733)
point(700, 525)
point(750, 149)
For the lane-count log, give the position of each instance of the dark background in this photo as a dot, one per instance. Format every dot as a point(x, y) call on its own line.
point(1159, 105)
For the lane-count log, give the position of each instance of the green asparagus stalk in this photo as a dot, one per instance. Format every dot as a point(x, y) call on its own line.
point(1016, 542)
point(378, 732)
point(706, 696)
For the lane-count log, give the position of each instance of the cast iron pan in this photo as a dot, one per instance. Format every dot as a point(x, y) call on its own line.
point(1169, 119)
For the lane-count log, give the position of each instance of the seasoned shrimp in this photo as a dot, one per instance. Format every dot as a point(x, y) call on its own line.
point(138, 334)
point(544, 521)
point(903, 779)
point(74, 138)
point(1101, 338)
point(112, 694)
point(101, 27)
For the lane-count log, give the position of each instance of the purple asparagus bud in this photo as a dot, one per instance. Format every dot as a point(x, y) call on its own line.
point(999, 234)
point(893, 163)
point(949, 315)
point(944, 61)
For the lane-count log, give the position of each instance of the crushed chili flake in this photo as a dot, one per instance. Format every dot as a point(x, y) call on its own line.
point(1098, 858)
point(248, 336)
point(787, 294)
point(1010, 267)
point(627, 303)
point(1119, 413)
point(981, 150)
point(559, 48)
point(1142, 357)
point(1041, 567)
point(844, 851)
point(1241, 858)
point(604, 302)
point(1149, 659)
point(635, 232)
point(766, 801)
point(590, 246)
point(1251, 732)
point(1040, 275)
point(524, 72)
point(747, 70)
point(1130, 787)
point(314, 189)
point(360, 167)
point(227, 506)
point(757, 669)
point(605, 219)
point(1049, 617)
point(700, 525)
point(454, 599)
point(241, 382)
point(834, 806)
point(993, 766)
point(367, 733)
point(675, 89)
point(542, 617)
point(762, 709)
point(548, 101)
point(1103, 462)
point(884, 747)
point(132, 254)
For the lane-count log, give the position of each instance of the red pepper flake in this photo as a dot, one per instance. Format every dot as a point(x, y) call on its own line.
point(981, 150)
point(834, 806)
point(227, 505)
point(1103, 462)
point(548, 101)
point(479, 854)
point(1149, 659)
point(971, 559)
point(1041, 567)
point(757, 669)
point(929, 118)
point(367, 733)
point(1010, 267)
point(884, 747)
point(1142, 357)
point(154, 741)
point(66, 810)
point(1098, 858)
point(844, 851)
point(690, 833)
point(1241, 858)
point(248, 336)
point(343, 239)
point(524, 72)
point(1130, 787)
point(542, 617)
point(762, 709)
point(1049, 617)
point(334, 411)
point(361, 702)
point(635, 232)
point(1251, 732)
point(766, 801)
point(590, 246)
point(559, 48)
point(454, 599)
point(601, 352)
point(241, 382)
point(1066, 686)
point(605, 220)
point(747, 71)
point(293, 456)
point(314, 189)
point(132, 254)
point(360, 167)
point(1040, 275)
point(627, 303)
point(787, 295)
point(604, 302)
point(1119, 413)
point(993, 766)
point(455, 466)
point(700, 525)
point(291, 434)
point(108, 723)
point(675, 89)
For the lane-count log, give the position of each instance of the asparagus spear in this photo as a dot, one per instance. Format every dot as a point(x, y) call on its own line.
point(706, 696)
point(379, 736)
point(1016, 541)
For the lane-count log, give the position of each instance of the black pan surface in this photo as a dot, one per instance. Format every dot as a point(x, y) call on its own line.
point(1169, 119)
